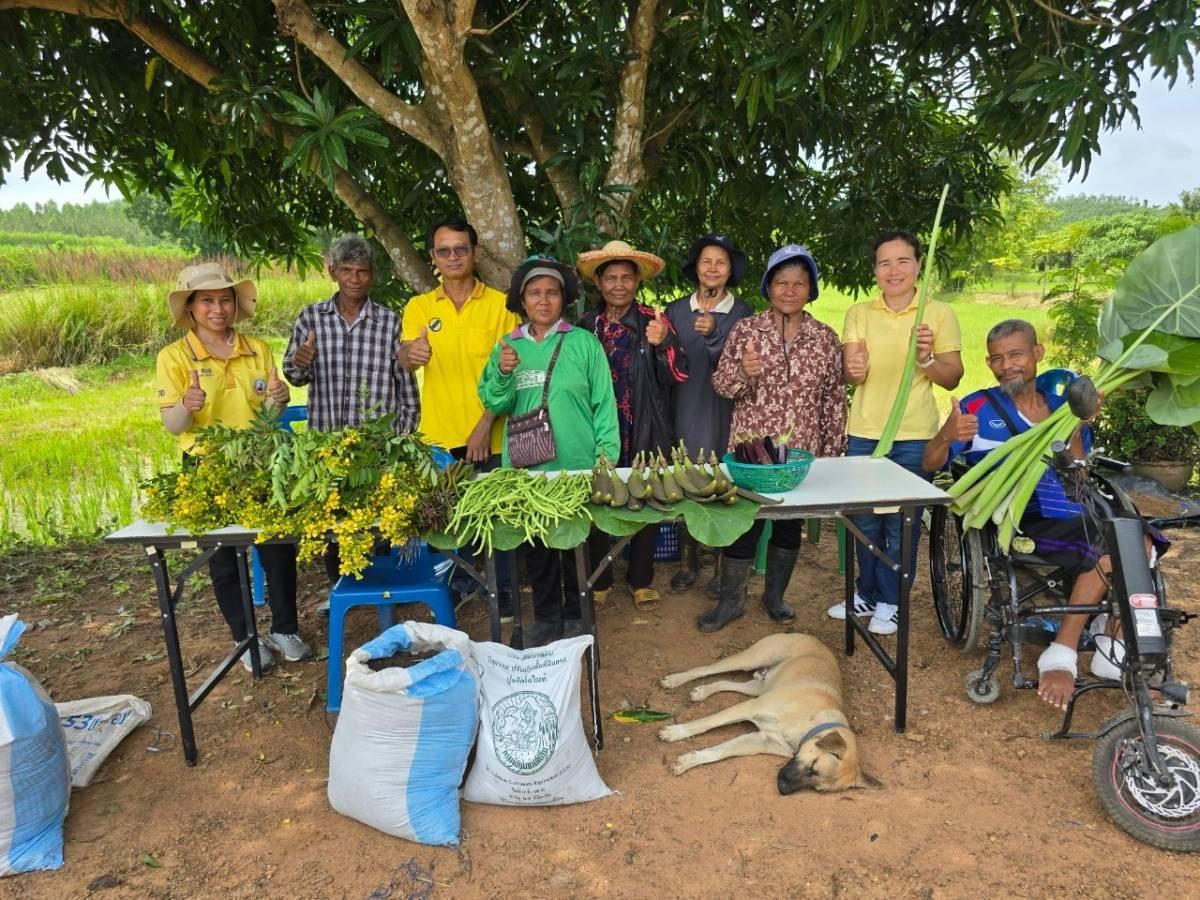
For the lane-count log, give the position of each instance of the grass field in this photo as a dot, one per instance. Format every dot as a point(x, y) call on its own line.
point(78, 418)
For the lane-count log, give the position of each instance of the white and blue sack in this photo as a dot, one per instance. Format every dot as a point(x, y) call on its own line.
point(35, 779)
point(403, 736)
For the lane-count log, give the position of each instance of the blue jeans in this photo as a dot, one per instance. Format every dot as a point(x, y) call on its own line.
point(876, 582)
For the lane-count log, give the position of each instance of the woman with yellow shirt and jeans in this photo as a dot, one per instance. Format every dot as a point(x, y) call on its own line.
point(874, 348)
point(215, 375)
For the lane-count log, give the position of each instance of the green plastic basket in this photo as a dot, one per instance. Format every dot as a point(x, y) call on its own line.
point(770, 479)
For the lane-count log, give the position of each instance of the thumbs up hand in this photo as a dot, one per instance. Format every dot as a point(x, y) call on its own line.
point(509, 360)
point(752, 366)
point(194, 397)
point(962, 426)
point(705, 323)
point(277, 389)
point(857, 361)
point(417, 352)
point(656, 331)
point(306, 352)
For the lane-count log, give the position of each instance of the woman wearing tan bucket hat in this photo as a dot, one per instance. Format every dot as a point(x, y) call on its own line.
point(215, 375)
point(647, 362)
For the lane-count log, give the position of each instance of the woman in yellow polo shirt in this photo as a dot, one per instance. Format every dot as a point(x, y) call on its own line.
point(214, 375)
point(874, 348)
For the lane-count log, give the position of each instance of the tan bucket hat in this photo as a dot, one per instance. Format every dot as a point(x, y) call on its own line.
point(209, 277)
point(648, 265)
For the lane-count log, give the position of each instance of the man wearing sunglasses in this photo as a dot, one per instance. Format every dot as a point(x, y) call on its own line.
point(446, 338)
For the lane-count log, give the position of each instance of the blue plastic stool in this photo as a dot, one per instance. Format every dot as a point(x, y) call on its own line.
point(386, 582)
point(257, 581)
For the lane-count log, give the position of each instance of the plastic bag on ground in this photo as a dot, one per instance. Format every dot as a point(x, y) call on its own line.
point(93, 728)
point(532, 748)
point(403, 735)
point(35, 781)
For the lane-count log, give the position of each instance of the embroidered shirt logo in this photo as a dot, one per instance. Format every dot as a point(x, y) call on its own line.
point(260, 385)
point(435, 324)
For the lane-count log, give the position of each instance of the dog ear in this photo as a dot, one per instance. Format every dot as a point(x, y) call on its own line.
point(867, 781)
point(832, 742)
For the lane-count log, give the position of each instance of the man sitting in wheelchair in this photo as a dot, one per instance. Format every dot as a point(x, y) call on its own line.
point(1061, 533)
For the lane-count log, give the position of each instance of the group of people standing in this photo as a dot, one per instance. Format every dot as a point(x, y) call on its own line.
point(464, 360)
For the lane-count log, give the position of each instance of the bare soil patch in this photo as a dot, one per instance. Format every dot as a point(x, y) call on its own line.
point(975, 801)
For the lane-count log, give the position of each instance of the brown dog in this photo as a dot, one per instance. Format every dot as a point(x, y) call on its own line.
point(797, 708)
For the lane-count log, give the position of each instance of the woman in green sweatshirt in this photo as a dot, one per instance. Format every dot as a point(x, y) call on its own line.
point(583, 415)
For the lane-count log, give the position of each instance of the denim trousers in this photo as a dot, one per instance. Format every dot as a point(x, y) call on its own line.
point(876, 582)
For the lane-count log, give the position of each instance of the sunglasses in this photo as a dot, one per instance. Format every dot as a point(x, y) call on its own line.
point(448, 252)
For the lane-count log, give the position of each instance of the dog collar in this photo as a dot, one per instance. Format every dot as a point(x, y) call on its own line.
point(817, 729)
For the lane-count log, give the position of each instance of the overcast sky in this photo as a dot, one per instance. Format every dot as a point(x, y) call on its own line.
point(1154, 163)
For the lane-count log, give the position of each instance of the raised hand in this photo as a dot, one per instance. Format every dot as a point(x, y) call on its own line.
point(961, 425)
point(752, 366)
point(306, 352)
point(924, 343)
point(858, 361)
point(417, 352)
point(656, 330)
point(509, 360)
point(194, 397)
point(277, 389)
point(705, 323)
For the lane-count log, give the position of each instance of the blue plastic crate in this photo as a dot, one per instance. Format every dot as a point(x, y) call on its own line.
point(666, 548)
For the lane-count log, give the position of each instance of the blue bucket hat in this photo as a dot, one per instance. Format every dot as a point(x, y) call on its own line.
point(787, 254)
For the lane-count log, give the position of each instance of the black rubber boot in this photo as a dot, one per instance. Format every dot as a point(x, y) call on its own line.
point(780, 564)
point(732, 603)
point(689, 560)
point(542, 632)
point(713, 588)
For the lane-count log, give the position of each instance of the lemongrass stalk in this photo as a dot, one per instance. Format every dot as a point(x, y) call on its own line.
point(900, 406)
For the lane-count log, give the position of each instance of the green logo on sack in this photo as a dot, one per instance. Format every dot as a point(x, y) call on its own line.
point(524, 731)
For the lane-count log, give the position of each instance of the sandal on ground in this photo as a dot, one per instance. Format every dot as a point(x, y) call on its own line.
point(599, 600)
point(646, 599)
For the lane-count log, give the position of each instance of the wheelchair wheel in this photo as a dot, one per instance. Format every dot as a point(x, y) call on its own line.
point(1164, 815)
point(958, 579)
point(982, 691)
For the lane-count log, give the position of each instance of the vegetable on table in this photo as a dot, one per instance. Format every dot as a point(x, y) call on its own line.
point(1150, 334)
point(507, 507)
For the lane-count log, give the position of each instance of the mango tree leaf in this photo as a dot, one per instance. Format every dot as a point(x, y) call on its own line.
point(570, 533)
point(1163, 278)
point(715, 524)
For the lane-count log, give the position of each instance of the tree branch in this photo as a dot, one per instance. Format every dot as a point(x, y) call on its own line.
point(487, 32)
point(296, 19)
point(626, 166)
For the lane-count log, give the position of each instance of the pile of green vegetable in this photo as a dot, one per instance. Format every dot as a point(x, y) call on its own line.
point(1149, 335)
point(507, 507)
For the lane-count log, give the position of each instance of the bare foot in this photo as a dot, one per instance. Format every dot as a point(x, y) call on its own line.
point(1056, 687)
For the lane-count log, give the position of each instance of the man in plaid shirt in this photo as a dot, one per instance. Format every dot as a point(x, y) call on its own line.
point(344, 349)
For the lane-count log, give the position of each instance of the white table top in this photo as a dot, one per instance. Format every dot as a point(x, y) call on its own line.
point(833, 486)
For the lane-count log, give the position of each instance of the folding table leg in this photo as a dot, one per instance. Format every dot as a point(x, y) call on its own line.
point(591, 659)
point(905, 585)
point(846, 540)
point(187, 737)
point(243, 554)
point(493, 595)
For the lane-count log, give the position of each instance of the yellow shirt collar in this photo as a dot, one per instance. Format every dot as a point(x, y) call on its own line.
point(241, 347)
point(880, 304)
point(439, 292)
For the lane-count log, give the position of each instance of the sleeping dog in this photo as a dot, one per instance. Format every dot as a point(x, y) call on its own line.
point(796, 707)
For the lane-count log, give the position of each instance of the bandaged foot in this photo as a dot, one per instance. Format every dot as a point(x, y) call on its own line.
point(1056, 674)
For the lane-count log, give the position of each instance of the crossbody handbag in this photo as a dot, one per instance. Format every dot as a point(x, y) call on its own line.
point(530, 435)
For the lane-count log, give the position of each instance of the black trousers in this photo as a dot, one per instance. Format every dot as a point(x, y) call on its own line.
point(555, 582)
point(786, 534)
point(279, 566)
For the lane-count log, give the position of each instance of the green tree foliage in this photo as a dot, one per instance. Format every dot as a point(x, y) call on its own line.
point(1074, 207)
point(94, 219)
point(1188, 204)
point(568, 122)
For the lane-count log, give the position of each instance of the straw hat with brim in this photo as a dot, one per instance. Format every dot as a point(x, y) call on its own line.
point(737, 259)
point(648, 265)
point(209, 277)
point(514, 298)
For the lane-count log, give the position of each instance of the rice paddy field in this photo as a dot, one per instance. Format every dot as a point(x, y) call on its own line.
point(81, 321)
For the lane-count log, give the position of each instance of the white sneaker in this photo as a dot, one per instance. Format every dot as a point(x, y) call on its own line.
point(861, 609)
point(264, 657)
point(291, 646)
point(885, 620)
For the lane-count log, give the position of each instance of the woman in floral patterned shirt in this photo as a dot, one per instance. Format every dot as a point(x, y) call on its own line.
point(783, 370)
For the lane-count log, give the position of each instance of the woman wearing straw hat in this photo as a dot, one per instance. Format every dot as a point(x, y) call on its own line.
point(647, 363)
point(547, 361)
point(215, 375)
point(703, 321)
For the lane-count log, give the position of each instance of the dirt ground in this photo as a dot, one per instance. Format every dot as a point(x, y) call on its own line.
point(975, 802)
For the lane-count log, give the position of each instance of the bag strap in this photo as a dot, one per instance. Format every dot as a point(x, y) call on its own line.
point(550, 369)
point(998, 406)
